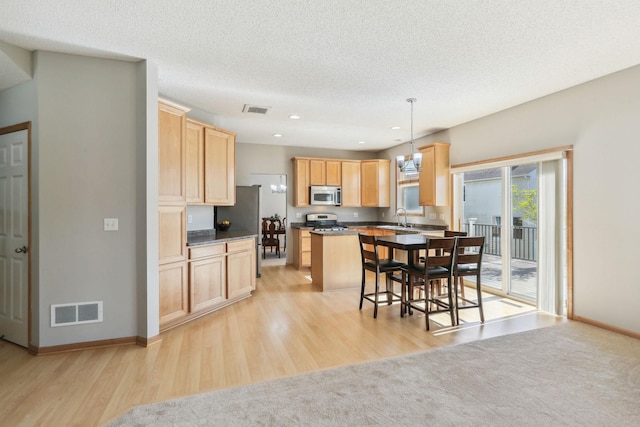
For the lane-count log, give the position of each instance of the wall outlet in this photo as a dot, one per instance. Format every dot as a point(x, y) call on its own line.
point(432, 215)
point(189, 219)
point(442, 217)
point(355, 214)
point(298, 215)
point(382, 214)
point(111, 224)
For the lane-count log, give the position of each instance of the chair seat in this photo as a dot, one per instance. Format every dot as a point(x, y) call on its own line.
point(385, 265)
point(434, 272)
point(467, 270)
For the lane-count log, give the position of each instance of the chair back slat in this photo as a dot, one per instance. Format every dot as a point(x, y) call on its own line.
point(443, 254)
point(368, 255)
point(470, 250)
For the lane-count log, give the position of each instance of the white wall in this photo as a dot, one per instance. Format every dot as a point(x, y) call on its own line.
point(601, 119)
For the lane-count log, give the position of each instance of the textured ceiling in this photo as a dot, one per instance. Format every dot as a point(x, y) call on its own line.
point(345, 66)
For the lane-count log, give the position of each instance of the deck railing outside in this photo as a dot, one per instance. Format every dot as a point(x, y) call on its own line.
point(524, 240)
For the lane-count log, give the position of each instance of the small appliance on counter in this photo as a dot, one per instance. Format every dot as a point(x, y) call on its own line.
point(323, 222)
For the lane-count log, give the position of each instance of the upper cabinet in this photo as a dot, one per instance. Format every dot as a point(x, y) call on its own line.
point(325, 172)
point(210, 170)
point(375, 183)
point(434, 175)
point(350, 183)
point(219, 167)
point(301, 182)
point(172, 122)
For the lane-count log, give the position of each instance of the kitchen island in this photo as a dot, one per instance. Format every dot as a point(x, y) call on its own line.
point(336, 262)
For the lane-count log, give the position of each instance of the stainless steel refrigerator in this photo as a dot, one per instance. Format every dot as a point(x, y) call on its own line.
point(245, 215)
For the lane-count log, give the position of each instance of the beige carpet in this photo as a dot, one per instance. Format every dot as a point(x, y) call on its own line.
point(566, 375)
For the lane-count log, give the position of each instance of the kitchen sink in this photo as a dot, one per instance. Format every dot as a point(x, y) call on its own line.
point(399, 229)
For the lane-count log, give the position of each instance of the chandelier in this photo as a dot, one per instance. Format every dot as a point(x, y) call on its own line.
point(412, 164)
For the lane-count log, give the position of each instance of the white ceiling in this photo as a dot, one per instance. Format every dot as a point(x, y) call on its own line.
point(345, 66)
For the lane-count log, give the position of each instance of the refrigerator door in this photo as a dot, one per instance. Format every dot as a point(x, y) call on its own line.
point(245, 215)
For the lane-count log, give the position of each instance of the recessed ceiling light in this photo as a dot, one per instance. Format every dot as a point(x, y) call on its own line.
point(277, 135)
point(395, 128)
point(294, 116)
point(362, 142)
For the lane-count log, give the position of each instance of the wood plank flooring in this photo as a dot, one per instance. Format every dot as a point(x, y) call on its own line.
point(286, 328)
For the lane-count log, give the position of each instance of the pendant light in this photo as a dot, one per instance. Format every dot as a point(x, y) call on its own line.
point(412, 165)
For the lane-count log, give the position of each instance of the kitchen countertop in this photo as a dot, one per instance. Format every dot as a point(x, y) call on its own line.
point(210, 237)
point(336, 233)
point(415, 228)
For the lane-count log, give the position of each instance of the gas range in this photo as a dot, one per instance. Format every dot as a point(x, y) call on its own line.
point(324, 222)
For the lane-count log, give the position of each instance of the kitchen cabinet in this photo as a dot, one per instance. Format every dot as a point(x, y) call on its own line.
point(173, 289)
point(333, 174)
point(207, 276)
point(317, 172)
point(215, 276)
point(172, 233)
point(375, 183)
point(350, 183)
point(172, 122)
point(210, 165)
point(434, 176)
point(301, 247)
point(194, 170)
point(219, 167)
point(241, 267)
point(301, 182)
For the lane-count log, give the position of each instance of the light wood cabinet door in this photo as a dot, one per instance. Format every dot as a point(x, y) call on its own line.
point(434, 175)
point(172, 233)
point(350, 183)
point(219, 167)
point(207, 282)
point(301, 248)
point(317, 172)
point(172, 123)
point(241, 267)
point(174, 298)
point(375, 184)
point(333, 172)
point(301, 182)
point(194, 169)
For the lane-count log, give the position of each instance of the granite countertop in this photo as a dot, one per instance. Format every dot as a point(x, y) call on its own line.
point(209, 237)
point(414, 227)
point(336, 233)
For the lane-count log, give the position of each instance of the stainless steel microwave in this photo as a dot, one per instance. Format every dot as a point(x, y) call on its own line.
point(325, 195)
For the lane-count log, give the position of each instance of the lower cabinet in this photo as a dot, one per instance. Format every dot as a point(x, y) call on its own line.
point(174, 296)
point(301, 247)
point(215, 275)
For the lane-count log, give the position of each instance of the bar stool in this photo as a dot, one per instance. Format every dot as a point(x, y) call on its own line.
point(389, 267)
point(468, 262)
point(437, 266)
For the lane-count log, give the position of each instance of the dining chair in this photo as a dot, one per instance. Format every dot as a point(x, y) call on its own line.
point(437, 266)
point(392, 269)
point(270, 236)
point(452, 233)
point(284, 233)
point(468, 262)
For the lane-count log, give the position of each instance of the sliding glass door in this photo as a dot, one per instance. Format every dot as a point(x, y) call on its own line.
point(520, 210)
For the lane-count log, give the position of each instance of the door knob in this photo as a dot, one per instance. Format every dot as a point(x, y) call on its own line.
point(21, 250)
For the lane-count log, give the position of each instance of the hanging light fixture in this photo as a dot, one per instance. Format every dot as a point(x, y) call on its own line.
point(412, 164)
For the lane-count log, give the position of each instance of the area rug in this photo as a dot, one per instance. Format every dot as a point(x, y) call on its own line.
point(570, 374)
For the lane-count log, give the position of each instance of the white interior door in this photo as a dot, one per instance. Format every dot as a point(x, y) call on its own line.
point(14, 237)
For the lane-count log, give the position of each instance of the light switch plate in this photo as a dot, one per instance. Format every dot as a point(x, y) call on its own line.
point(442, 216)
point(111, 224)
point(298, 215)
point(432, 215)
point(355, 214)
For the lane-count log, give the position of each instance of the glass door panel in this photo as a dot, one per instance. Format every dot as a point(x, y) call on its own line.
point(482, 216)
point(524, 232)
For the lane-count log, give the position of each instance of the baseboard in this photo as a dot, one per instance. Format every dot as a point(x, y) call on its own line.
point(146, 342)
point(606, 326)
point(41, 351)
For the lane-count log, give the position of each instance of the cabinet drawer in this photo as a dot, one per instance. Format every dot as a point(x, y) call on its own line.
point(240, 245)
point(205, 251)
point(305, 233)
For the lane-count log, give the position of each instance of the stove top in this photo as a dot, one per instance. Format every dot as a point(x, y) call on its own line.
point(324, 222)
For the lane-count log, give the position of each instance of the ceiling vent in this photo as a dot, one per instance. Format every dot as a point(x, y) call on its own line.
point(255, 109)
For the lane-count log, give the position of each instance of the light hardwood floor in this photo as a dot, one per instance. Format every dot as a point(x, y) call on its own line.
point(286, 328)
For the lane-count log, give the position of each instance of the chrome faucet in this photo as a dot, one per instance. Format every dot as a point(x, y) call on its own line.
point(405, 216)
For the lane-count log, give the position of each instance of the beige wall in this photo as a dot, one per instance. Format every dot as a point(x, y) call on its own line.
point(601, 119)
